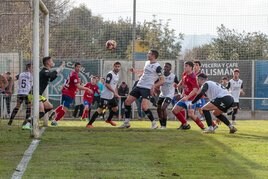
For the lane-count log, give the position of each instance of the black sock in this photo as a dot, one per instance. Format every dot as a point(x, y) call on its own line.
point(41, 114)
point(14, 112)
point(47, 110)
point(164, 122)
point(223, 119)
point(149, 114)
point(207, 117)
point(111, 114)
point(127, 111)
point(89, 111)
point(161, 121)
point(234, 114)
point(93, 118)
point(28, 113)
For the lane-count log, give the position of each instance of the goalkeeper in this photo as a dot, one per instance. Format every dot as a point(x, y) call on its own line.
point(46, 76)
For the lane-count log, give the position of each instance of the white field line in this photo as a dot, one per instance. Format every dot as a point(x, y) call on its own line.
point(22, 166)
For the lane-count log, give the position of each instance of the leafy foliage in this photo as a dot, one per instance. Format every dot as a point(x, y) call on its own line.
point(231, 45)
point(81, 34)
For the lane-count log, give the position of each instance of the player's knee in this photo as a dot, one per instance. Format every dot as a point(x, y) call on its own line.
point(217, 112)
point(144, 107)
point(190, 113)
point(163, 108)
point(50, 106)
point(128, 102)
point(175, 110)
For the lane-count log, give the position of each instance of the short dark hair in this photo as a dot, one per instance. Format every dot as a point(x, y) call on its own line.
point(155, 53)
point(190, 63)
point(117, 63)
point(8, 73)
point(236, 70)
point(45, 59)
point(76, 64)
point(28, 66)
point(168, 64)
point(202, 75)
point(198, 62)
point(224, 78)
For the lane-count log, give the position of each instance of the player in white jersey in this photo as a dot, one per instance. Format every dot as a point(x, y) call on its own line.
point(108, 96)
point(145, 88)
point(25, 83)
point(220, 100)
point(235, 86)
point(167, 91)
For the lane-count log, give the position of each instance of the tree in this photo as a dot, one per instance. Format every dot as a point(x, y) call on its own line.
point(231, 45)
point(81, 34)
point(16, 18)
point(198, 53)
point(161, 37)
point(78, 35)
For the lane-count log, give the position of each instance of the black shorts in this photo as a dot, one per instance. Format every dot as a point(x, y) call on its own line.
point(22, 97)
point(223, 103)
point(110, 103)
point(162, 100)
point(96, 99)
point(138, 92)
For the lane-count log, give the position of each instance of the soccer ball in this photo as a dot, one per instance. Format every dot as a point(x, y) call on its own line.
point(110, 45)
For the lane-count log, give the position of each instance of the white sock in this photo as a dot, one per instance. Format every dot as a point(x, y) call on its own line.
point(127, 120)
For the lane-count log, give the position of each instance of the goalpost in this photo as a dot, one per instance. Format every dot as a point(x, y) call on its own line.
point(38, 6)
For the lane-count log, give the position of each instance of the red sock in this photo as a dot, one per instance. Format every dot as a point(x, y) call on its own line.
point(183, 113)
point(59, 108)
point(199, 123)
point(59, 113)
point(181, 117)
point(85, 114)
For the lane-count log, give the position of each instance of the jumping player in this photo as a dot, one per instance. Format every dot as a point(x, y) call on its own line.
point(46, 75)
point(145, 88)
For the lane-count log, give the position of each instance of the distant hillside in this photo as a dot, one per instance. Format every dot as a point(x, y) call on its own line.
point(191, 41)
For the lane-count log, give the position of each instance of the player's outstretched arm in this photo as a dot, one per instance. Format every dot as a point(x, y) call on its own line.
point(61, 67)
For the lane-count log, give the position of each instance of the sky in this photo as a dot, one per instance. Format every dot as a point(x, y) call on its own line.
point(193, 17)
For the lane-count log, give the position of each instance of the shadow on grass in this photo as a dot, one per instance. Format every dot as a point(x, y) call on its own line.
point(177, 154)
point(250, 136)
point(235, 164)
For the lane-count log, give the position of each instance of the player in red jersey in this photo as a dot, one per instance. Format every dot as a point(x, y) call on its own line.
point(69, 90)
point(88, 97)
point(190, 88)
